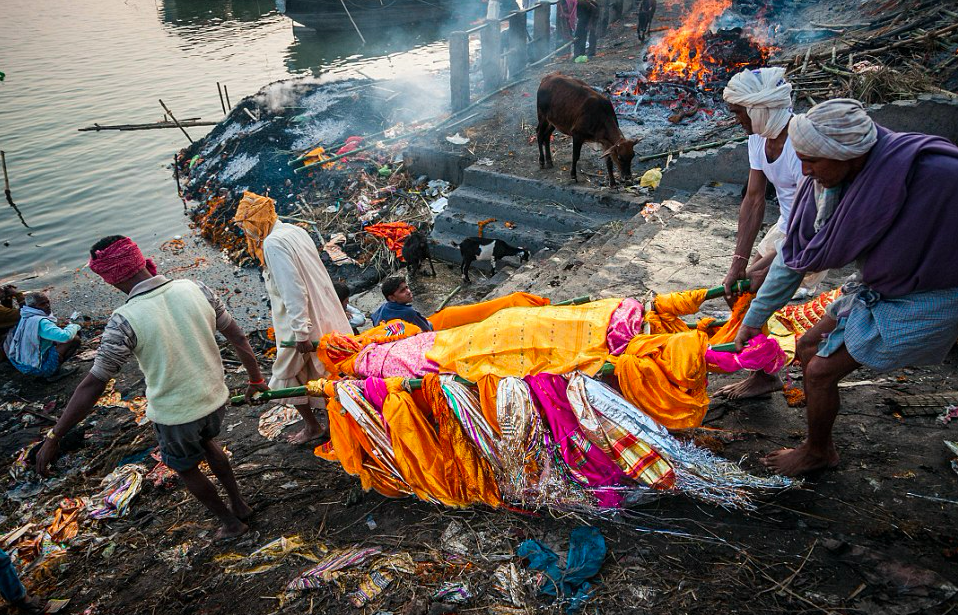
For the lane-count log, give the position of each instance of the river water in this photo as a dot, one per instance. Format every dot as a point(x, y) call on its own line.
point(70, 64)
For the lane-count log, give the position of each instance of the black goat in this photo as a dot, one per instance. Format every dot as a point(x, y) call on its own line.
point(485, 249)
point(415, 251)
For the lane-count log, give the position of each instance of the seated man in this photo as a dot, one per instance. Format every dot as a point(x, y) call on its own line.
point(356, 318)
point(37, 346)
point(885, 201)
point(398, 300)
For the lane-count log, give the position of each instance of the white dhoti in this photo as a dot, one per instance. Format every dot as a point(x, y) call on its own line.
point(304, 305)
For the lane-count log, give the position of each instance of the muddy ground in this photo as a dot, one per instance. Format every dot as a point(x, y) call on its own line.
point(876, 536)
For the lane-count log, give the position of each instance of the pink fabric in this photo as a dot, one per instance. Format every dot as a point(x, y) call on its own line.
point(761, 353)
point(119, 261)
point(626, 323)
point(404, 358)
point(587, 463)
point(375, 392)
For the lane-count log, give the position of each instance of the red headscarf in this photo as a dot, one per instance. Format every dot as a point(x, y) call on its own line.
point(120, 261)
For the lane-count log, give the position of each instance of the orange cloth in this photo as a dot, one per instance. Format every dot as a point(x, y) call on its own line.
point(256, 215)
point(66, 520)
point(394, 233)
point(488, 387)
point(350, 446)
point(668, 308)
point(520, 341)
point(338, 351)
point(665, 375)
point(727, 332)
point(459, 315)
point(419, 455)
point(470, 477)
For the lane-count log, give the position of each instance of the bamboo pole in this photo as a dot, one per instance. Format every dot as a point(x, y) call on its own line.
point(226, 93)
point(692, 149)
point(6, 189)
point(170, 113)
point(219, 90)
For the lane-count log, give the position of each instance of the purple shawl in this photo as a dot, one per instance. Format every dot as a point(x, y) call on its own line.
point(899, 216)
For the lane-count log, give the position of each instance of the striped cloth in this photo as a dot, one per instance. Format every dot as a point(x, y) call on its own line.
point(884, 334)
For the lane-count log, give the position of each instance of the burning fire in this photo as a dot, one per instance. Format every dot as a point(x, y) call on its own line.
point(684, 53)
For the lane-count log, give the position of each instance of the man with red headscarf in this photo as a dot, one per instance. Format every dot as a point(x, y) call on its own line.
point(170, 327)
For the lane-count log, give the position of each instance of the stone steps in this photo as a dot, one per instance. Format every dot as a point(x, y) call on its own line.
point(543, 215)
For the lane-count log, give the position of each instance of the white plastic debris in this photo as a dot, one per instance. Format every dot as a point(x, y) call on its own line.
point(457, 139)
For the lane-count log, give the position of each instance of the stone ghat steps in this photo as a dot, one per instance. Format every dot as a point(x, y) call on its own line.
point(540, 215)
point(674, 250)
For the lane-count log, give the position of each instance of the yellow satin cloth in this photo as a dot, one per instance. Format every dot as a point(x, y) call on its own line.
point(669, 307)
point(459, 315)
point(527, 340)
point(665, 375)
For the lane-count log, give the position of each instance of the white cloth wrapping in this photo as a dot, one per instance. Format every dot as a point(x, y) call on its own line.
point(304, 303)
point(836, 129)
point(766, 96)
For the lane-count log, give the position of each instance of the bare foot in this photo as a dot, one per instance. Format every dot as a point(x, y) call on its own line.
point(244, 513)
point(757, 384)
point(801, 460)
point(308, 434)
point(231, 530)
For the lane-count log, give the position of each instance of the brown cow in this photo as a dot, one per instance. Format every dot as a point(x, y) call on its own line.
point(574, 108)
point(646, 13)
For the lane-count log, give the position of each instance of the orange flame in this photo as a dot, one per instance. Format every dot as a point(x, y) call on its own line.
point(682, 53)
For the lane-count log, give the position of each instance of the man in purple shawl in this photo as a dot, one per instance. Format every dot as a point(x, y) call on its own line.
point(889, 202)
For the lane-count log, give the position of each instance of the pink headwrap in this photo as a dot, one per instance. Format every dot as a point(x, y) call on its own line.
point(120, 261)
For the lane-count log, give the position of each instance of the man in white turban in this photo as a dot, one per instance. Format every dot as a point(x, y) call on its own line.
point(884, 201)
point(761, 100)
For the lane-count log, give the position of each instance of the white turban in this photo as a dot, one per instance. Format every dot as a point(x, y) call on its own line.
point(765, 95)
point(836, 129)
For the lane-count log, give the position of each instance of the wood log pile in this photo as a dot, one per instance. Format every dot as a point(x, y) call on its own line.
point(911, 47)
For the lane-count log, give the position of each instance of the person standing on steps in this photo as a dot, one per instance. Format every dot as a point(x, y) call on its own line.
point(170, 327)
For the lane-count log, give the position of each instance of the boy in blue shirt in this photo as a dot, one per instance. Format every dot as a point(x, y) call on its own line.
point(398, 299)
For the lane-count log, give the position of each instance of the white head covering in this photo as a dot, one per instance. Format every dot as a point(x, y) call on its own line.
point(767, 97)
point(836, 129)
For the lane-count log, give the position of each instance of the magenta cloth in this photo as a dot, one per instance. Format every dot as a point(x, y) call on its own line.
point(898, 217)
point(626, 323)
point(587, 463)
point(404, 358)
point(761, 353)
point(119, 261)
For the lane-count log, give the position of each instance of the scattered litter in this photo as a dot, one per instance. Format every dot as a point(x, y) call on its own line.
point(118, 490)
point(267, 557)
point(513, 584)
point(953, 447)
point(370, 522)
point(485, 162)
point(276, 419)
point(437, 187)
point(161, 475)
point(112, 398)
point(335, 253)
point(370, 587)
point(454, 592)
point(651, 178)
point(178, 557)
point(458, 539)
point(673, 205)
point(650, 209)
point(329, 568)
point(439, 205)
point(457, 139)
point(55, 605)
point(586, 555)
point(950, 414)
point(581, 59)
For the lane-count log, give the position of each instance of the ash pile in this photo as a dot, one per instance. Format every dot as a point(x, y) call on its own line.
point(329, 154)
